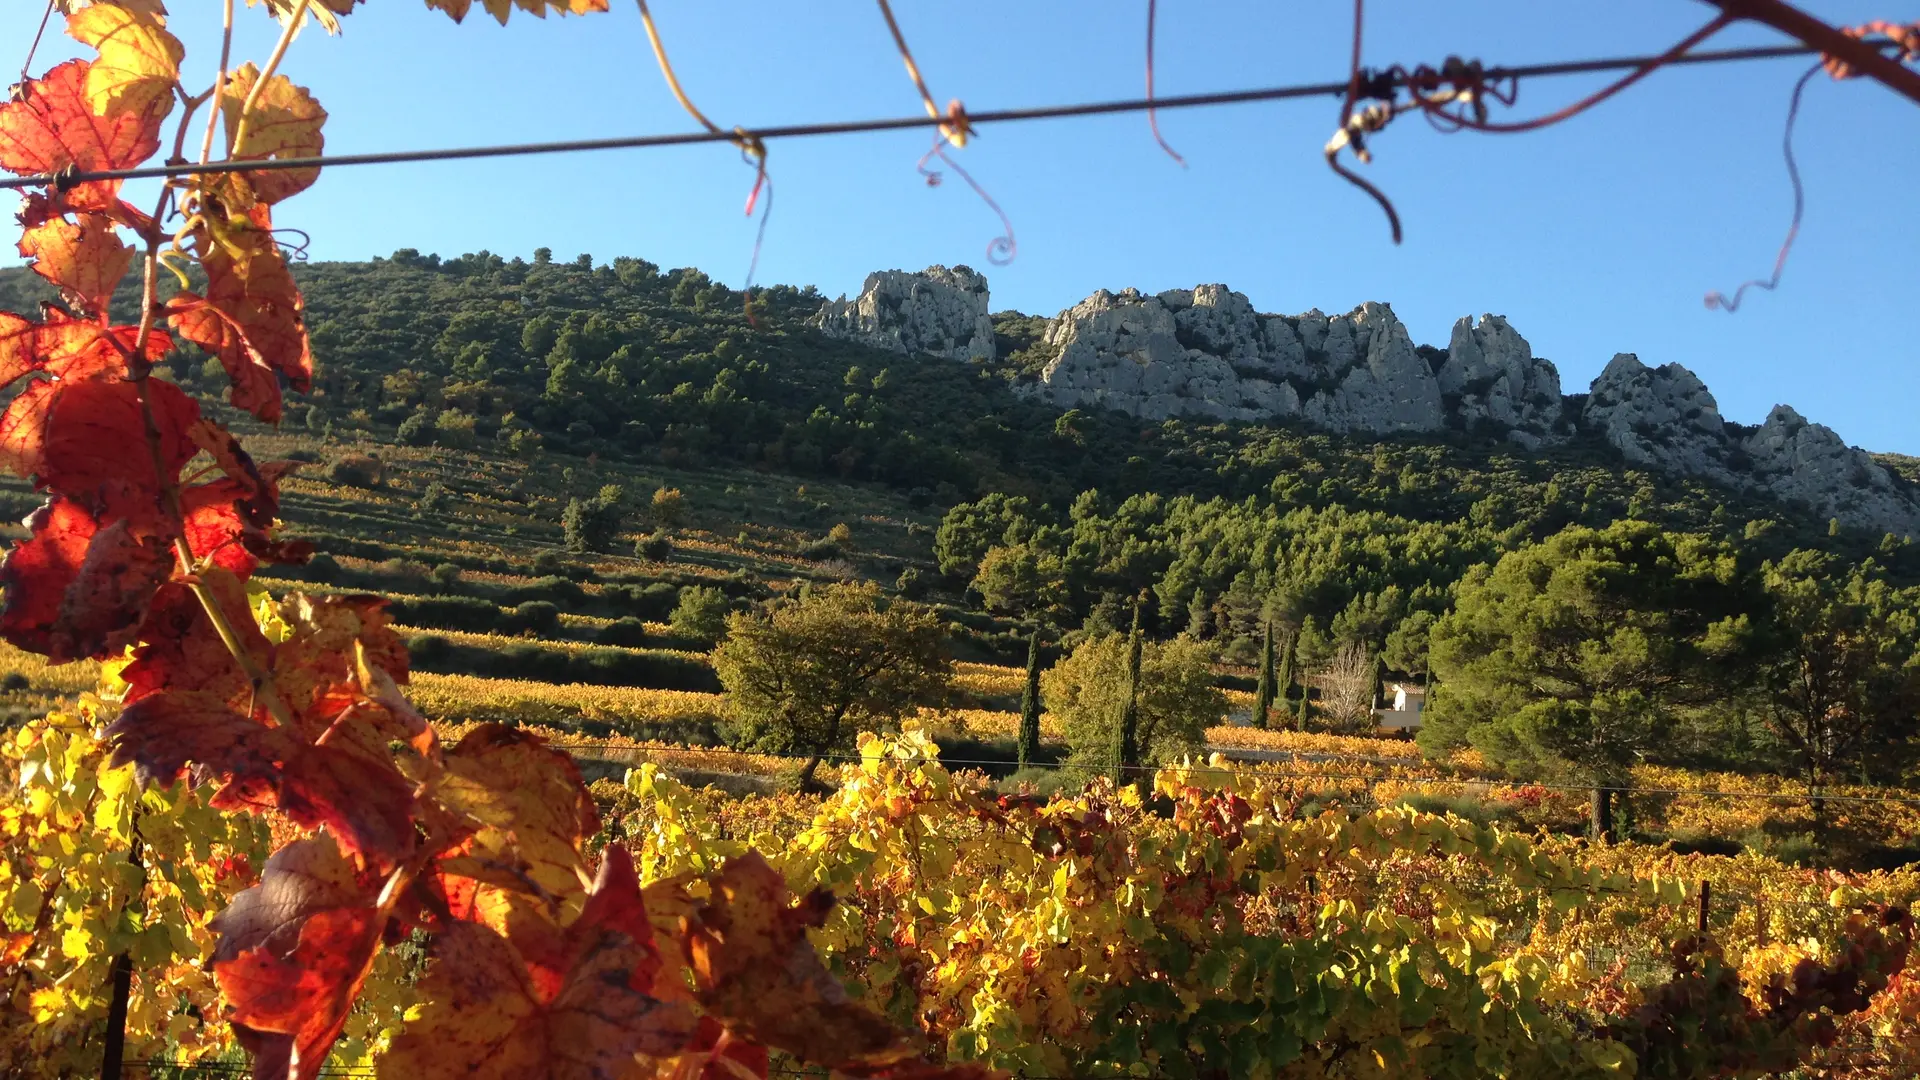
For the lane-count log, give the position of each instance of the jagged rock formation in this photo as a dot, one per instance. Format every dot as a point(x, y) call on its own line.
point(1205, 352)
point(1660, 417)
point(1809, 463)
point(938, 311)
point(1491, 376)
point(1665, 418)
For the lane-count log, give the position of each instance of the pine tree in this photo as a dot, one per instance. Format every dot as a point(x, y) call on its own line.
point(1263, 690)
point(1030, 703)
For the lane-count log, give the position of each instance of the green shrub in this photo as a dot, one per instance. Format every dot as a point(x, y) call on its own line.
point(657, 547)
point(701, 613)
point(448, 612)
point(627, 631)
point(539, 616)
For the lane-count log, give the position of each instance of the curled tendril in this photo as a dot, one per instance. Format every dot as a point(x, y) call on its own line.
point(293, 252)
point(1001, 249)
point(1731, 304)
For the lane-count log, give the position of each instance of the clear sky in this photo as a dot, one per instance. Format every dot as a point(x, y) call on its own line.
point(1595, 237)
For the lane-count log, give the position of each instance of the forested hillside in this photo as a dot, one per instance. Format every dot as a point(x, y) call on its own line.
point(579, 386)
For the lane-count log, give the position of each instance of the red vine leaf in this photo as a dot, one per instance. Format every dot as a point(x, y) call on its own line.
point(255, 386)
point(180, 650)
point(251, 290)
point(71, 435)
point(85, 259)
point(293, 952)
point(365, 802)
point(490, 1016)
point(284, 123)
point(756, 971)
point(50, 126)
point(75, 589)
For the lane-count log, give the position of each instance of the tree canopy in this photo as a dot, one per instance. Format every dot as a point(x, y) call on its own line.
point(816, 672)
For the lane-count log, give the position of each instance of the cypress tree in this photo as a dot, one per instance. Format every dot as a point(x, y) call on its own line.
point(1263, 690)
point(1030, 703)
point(1126, 737)
point(1286, 680)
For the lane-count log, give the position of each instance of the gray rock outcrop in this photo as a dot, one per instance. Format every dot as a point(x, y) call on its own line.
point(1206, 353)
point(1491, 375)
point(1809, 463)
point(938, 311)
point(1660, 417)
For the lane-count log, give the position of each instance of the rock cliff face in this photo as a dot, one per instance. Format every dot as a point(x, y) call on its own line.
point(1491, 376)
point(1205, 352)
point(937, 311)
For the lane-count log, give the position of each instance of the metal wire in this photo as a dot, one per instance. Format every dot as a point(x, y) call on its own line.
point(851, 127)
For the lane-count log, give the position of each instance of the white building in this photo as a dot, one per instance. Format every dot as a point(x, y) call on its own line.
point(1404, 713)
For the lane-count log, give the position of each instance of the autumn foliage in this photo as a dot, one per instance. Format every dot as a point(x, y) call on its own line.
point(542, 962)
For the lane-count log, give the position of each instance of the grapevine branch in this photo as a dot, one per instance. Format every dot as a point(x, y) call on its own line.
point(1867, 58)
point(266, 74)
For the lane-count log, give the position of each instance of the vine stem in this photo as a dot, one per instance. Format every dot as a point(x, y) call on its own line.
point(220, 82)
point(139, 370)
point(266, 73)
point(111, 1062)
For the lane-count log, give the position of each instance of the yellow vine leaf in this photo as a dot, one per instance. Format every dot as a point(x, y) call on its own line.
point(325, 12)
point(500, 9)
point(285, 123)
point(139, 60)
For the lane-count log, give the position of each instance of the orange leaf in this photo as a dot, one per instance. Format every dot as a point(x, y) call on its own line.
point(139, 60)
point(757, 972)
point(488, 1017)
point(255, 387)
point(320, 655)
point(293, 953)
point(250, 287)
point(85, 259)
point(50, 125)
point(511, 781)
point(500, 9)
point(285, 123)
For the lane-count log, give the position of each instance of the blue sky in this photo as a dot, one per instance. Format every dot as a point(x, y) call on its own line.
point(1595, 237)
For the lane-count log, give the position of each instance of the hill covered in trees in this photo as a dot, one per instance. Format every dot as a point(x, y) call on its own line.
point(1250, 537)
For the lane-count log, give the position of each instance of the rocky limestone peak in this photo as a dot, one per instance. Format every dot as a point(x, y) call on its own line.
point(1155, 357)
point(1810, 463)
point(1662, 417)
point(939, 311)
point(1205, 352)
point(1379, 383)
point(1492, 375)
